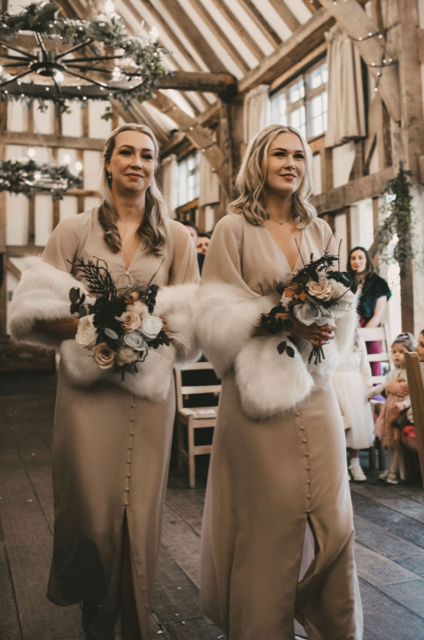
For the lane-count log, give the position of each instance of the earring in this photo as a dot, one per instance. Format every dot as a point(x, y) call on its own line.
point(109, 175)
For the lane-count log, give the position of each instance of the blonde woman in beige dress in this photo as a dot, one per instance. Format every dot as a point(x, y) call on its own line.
point(278, 467)
point(112, 438)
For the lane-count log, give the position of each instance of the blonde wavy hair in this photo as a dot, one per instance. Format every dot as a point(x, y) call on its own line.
point(152, 229)
point(251, 180)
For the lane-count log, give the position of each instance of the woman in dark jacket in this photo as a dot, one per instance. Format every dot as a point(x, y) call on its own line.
point(374, 296)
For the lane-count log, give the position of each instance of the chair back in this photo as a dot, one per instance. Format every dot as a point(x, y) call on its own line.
point(382, 335)
point(209, 383)
point(416, 392)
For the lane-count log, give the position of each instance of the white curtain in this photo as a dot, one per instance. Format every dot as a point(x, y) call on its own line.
point(257, 111)
point(170, 182)
point(346, 108)
point(209, 183)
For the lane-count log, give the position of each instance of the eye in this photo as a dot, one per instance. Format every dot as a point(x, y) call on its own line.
point(300, 156)
point(148, 156)
point(125, 152)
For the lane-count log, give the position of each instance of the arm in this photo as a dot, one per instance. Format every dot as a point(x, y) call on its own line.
point(379, 310)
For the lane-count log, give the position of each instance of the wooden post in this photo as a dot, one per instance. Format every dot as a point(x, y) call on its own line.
point(3, 272)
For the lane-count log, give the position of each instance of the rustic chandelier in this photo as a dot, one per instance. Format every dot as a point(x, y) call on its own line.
point(28, 176)
point(46, 57)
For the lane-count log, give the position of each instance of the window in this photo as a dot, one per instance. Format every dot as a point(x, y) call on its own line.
point(188, 179)
point(303, 102)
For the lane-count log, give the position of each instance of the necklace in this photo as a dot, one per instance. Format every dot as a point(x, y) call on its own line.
point(277, 222)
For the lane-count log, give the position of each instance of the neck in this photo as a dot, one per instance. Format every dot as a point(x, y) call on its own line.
point(279, 207)
point(130, 207)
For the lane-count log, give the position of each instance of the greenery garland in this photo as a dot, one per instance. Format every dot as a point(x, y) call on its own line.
point(29, 176)
point(45, 20)
point(400, 222)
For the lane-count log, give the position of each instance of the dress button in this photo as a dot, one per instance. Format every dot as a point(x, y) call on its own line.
point(127, 489)
point(303, 440)
point(297, 414)
point(133, 406)
point(132, 419)
point(308, 496)
point(308, 511)
point(308, 482)
point(301, 428)
point(306, 454)
point(131, 433)
point(307, 468)
point(129, 461)
point(126, 503)
point(128, 475)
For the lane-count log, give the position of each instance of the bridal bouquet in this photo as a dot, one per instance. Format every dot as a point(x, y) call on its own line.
point(317, 294)
point(118, 328)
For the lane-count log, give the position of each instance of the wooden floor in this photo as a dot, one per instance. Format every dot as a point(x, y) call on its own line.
point(389, 525)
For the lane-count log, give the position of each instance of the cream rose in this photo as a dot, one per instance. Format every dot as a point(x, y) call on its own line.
point(151, 327)
point(140, 308)
point(103, 356)
point(126, 356)
point(87, 332)
point(131, 321)
point(321, 290)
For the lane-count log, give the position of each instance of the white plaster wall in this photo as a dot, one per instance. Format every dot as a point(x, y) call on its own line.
point(17, 116)
point(72, 122)
point(361, 224)
point(16, 219)
point(68, 206)
point(43, 120)
point(16, 152)
point(92, 168)
point(91, 202)
point(43, 223)
point(73, 155)
point(98, 128)
point(343, 159)
point(374, 166)
point(316, 174)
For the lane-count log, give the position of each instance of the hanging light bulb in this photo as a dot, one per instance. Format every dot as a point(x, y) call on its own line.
point(109, 7)
point(37, 176)
point(116, 74)
point(1, 69)
point(78, 166)
point(59, 77)
point(154, 34)
point(31, 153)
point(66, 159)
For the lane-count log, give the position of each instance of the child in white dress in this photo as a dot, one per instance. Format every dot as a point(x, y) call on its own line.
point(352, 384)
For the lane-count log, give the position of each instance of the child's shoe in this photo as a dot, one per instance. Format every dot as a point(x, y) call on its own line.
point(392, 478)
point(384, 475)
point(357, 474)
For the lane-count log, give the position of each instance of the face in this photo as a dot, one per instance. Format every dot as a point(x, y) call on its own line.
point(203, 245)
point(398, 354)
point(420, 347)
point(285, 165)
point(358, 261)
point(193, 235)
point(132, 163)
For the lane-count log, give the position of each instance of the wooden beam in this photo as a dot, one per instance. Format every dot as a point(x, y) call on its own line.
point(214, 27)
point(199, 81)
point(367, 187)
point(313, 5)
point(286, 14)
point(239, 28)
point(50, 140)
point(299, 67)
point(307, 38)
point(19, 251)
point(197, 39)
point(13, 268)
point(202, 138)
point(260, 22)
point(355, 21)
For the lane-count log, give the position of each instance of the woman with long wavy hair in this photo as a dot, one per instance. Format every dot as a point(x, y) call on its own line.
point(278, 535)
point(112, 436)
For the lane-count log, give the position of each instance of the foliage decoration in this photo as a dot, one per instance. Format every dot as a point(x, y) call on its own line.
point(142, 58)
point(29, 177)
point(397, 231)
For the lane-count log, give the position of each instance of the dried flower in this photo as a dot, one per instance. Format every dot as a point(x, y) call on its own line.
point(126, 356)
point(87, 332)
point(140, 308)
point(103, 356)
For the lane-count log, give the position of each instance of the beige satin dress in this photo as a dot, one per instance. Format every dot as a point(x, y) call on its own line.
point(267, 480)
point(110, 449)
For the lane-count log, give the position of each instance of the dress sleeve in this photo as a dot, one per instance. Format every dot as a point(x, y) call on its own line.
point(62, 246)
point(184, 266)
point(228, 311)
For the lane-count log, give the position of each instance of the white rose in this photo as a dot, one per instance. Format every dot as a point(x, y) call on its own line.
point(322, 290)
point(126, 356)
point(140, 308)
point(131, 321)
point(151, 327)
point(87, 332)
point(309, 313)
point(135, 341)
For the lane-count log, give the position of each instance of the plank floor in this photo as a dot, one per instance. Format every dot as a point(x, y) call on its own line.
point(389, 524)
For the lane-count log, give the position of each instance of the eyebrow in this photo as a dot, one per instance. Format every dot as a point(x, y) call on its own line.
point(131, 147)
point(282, 149)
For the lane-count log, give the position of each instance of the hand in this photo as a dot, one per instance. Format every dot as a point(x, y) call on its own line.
point(398, 407)
point(314, 334)
point(165, 326)
point(398, 387)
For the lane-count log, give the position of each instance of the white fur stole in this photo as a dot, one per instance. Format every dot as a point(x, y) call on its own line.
point(270, 384)
point(43, 294)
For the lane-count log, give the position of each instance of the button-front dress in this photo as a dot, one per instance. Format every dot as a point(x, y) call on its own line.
point(268, 479)
point(110, 448)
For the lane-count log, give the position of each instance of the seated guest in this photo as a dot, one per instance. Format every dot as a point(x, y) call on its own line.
point(375, 293)
point(193, 230)
point(202, 248)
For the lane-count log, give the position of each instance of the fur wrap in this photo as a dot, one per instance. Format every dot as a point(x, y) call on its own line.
point(43, 294)
point(270, 384)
